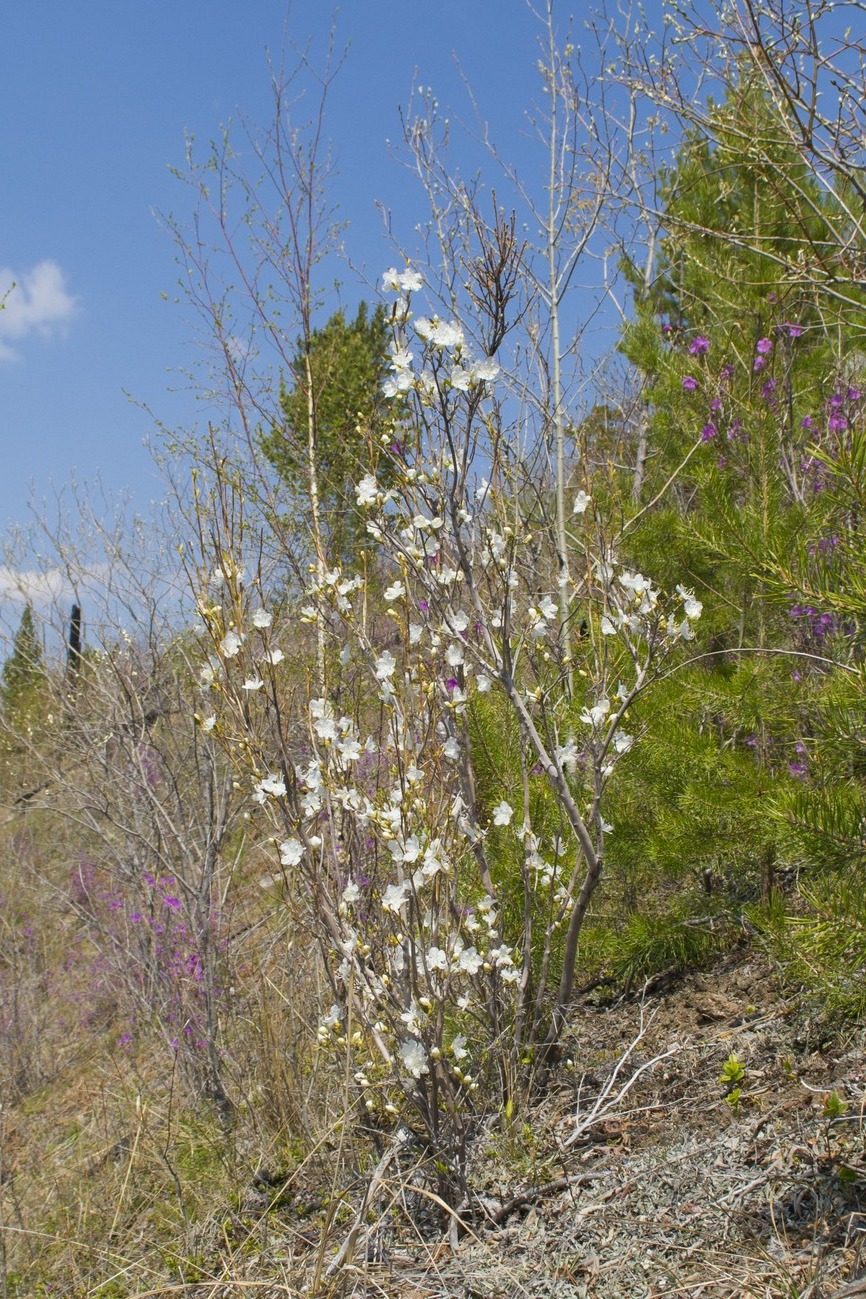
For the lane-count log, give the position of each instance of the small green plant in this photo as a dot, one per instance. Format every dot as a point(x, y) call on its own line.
point(733, 1074)
point(834, 1106)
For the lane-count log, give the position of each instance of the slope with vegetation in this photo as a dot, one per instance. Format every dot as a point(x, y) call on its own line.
point(465, 865)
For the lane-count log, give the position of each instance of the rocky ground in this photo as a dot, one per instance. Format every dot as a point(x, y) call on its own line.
point(707, 1138)
point(683, 1188)
point(680, 1187)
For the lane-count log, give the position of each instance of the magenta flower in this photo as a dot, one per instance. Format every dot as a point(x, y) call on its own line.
point(689, 384)
point(792, 330)
point(808, 423)
point(699, 346)
point(764, 346)
point(708, 432)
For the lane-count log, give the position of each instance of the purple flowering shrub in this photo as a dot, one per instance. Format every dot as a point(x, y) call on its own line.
point(148, 947)
point(25, 987)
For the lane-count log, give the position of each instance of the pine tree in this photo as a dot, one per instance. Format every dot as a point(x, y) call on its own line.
point(348, 364)
point(734, 349)
point(22, 672)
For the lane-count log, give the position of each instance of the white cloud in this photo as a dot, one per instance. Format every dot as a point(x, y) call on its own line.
point(23, 586)
point(36, 302)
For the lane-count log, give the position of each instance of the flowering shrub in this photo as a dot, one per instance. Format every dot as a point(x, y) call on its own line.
point(141, 931)
point(411, 873)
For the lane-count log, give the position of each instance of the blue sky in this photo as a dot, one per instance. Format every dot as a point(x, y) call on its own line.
point(95, 101)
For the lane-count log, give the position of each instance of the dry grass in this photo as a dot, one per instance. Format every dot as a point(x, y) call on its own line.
point(118, 1178)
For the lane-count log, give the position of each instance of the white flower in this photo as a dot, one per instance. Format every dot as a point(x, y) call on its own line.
point(566, 755)
point(416, 631)
point(231, 644)
point(367, 490)
point(209, 723)
point(274, 657)
point(458, 1047)
point(395, 592)
point(622, 743)
point(270, 785)
point(485, 371)
point(207, 675)
point(394, 281)
point(385, 665)
point(460, 378)
point(291, 852)
point(595, 716)
point(414, 1057)
point(692, 608)
point(351, 893)
point(607, 627)
point(261, 619)
point(470, 962)
point(394, 897)
point(581, 501)
point(252, 684)
point(437, 959)
point(410, 281)
point(451, 749)
point(325, 728)
point(440, 332)
point(394, 384)
point(411, 849)
point(635, 582)
point(547, 607)
point(483, 682)
point(502, 813)
point(401, 359)
point(454, 655)
point(433, 862)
